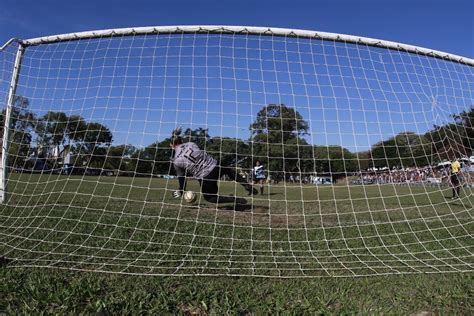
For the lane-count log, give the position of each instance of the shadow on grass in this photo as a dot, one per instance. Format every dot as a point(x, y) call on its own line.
point(4, 261)
point(237, 207)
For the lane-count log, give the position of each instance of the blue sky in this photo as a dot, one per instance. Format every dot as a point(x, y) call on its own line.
point(437, 24)
point(344, 104)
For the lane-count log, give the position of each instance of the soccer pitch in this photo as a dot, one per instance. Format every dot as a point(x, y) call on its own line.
point(134, 226)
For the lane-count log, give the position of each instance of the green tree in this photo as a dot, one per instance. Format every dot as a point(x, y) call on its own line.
point(347, 160)
point(464, 123)
point(362, 160)
point(52, 130)
point(229, 151)
point(404, 150)
point(22, 126)
point(453, 139)
point(87, 141)
point(91, 145)
point(276, 138)
point(120, 157)
point(199, 136)
point(277, 123)
point(154, 159)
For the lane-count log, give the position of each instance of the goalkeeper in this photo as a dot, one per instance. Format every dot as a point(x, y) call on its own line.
point(455, 178)
point(190, 160)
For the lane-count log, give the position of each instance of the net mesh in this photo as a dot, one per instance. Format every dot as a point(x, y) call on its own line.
point(356, 144)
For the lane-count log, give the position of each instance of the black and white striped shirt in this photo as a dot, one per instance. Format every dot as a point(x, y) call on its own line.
point(190, 160)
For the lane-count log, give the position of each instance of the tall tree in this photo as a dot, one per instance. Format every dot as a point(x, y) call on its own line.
point(154, 159)
point(120, 157)
point(403, 150)
point(199, 136)
point(51, 131)
point(278, 123)
point(91, 145)
point(465, 128)
point(87, 141)
point(276, 136)
point(22, 126)
point(229, 151)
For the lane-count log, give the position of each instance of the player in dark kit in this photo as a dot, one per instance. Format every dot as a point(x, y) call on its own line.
point(455, 178)
point(190, 161)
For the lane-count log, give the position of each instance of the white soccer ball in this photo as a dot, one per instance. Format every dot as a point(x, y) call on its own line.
point(190, 196)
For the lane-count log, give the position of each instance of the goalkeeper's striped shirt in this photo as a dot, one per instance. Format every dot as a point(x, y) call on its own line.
point(190, 160)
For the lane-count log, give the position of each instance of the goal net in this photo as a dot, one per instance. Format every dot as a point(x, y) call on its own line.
point(355, 148)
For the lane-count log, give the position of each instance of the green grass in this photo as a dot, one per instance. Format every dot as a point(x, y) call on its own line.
point(413, 242)
point(52, 291)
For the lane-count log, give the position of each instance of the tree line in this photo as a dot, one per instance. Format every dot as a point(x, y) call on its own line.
point(277, 139)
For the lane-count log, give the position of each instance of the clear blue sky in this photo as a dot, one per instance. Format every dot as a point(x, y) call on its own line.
point(440, 25)
point(445, 25)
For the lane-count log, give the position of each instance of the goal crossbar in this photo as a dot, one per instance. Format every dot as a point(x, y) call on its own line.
point(245, 30)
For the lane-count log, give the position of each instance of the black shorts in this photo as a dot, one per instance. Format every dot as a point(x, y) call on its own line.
point(455, 179)
point(209, 184)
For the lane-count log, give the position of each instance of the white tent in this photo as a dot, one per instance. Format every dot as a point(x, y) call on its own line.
point(444, 164)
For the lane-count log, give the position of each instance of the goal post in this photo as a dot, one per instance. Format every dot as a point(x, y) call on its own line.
point(350, 143)
point(6, 120)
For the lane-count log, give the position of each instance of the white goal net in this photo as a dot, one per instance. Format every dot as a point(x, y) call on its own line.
point(359, 153)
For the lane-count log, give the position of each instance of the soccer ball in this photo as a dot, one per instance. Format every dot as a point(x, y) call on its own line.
point(190, 196)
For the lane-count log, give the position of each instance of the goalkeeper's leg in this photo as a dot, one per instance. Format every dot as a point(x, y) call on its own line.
point(209, 189)
point(233, 175)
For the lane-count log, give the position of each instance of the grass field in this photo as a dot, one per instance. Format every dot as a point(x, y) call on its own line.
point(396, 239)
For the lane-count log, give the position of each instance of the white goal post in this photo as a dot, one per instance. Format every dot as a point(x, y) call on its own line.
point(357, 142)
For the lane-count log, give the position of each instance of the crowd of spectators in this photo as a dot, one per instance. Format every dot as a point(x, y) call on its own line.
point(432, 175)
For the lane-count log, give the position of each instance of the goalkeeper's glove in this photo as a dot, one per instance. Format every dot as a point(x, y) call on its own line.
point(177, 194)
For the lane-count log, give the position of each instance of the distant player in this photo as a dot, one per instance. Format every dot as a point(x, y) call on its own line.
point(259, 175)
point(190, 161)
point(455, 179)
